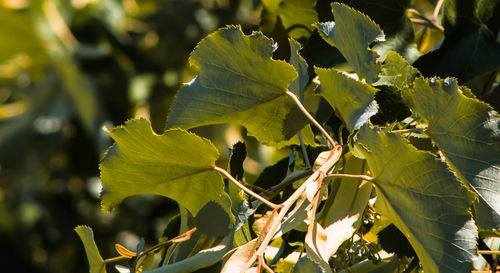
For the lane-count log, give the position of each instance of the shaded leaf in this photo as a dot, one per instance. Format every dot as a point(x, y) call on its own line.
point(238, 79)
point(352, 100)
point(467, 132)
point(305, 265)
point(352, 33)
point(297, 16)
point(470, 47)
point(96, 262)
point(297, 87)
point(423, 198)
point(212, 220)
point(238, 155)
point(177, 164)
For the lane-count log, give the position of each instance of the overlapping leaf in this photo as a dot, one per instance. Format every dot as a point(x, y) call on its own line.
point(467, 131)
point(396, 66)
point(297, 16)
point(352, 33)
point(177, 164)
point(423, 199)
point(352, 100)
point(238, 83)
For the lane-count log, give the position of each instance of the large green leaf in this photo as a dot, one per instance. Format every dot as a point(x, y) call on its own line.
point(177, 164)
point(467, 131)
point(351, 99)
point(352, 33)
point(238, 83)
point(297, 16)
point(423, 199)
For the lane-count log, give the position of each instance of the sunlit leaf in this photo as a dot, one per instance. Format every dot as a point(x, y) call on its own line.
point(351, 99)
point(237, 80)
point(423, 198)
point(396, 66)
point(352, 33)
point(240, 257)
point(467, 132)
point(177, 164)
point(96, 262)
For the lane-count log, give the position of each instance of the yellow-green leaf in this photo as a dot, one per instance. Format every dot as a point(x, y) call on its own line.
point(239, 83)
point(178, 165)
point(96, 263)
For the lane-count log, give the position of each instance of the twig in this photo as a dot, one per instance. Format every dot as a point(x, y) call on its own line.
point(437, 9)
point(311, 118)
point(494, 252)
point(304, 151)
point(245, 189)
point(274, 222)
point(115, 259)
point(287, 181)
point(429, 21)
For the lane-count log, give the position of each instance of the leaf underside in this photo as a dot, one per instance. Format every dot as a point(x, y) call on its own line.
point(423, 199)
point(177, 164)
point(352, 100)
point(467, 131)
point(239, 83)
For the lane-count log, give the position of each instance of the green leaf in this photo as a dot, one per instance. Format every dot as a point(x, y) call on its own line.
point(177, 164)
point(238, 83)
point(352, 100)
point(404, 74)
point(297, 16)
point(352, 33)
point(423, 199)
point(96, 262)
point(467, 131)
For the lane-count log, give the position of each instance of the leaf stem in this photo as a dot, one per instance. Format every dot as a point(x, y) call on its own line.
point(115, 259)
point(430, 22)
point(245, 189)
point(351, 176)
point(412, 130)
point(311, 118)
point(304, 151)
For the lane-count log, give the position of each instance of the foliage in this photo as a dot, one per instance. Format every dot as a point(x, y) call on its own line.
point(428, 194)
point(346, 140)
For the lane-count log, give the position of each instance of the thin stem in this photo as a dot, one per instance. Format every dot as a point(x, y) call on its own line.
point(437, 9)
point(287, 181)
point(115, 259)
point(311, 118)
point(351, 176)
point(429, 21)
point(266, 267)
point(494, 252)
point(245, 189)
point(412, 130)
point(304, 151)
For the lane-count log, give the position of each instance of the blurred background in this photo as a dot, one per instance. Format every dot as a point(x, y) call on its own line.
point(68, 68)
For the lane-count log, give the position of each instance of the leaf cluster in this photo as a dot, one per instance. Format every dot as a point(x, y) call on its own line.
point(322, 217)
